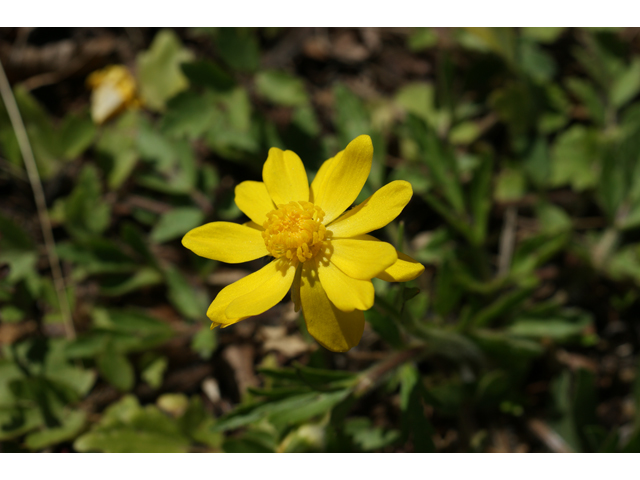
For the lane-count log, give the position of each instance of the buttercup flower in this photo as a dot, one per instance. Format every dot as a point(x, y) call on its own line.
point(113, 90)
point(323, 254)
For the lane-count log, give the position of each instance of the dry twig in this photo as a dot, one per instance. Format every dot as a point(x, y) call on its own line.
point(38, 194)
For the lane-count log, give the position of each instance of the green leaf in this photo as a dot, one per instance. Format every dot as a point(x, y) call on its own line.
point(422, 38)
point(500, 40)
point(281, 88)
point(447, 291)
point(72, 425)
point(510, 352)
point(87, 345)
point(414, 421)
point(128, 428)
point(176, 223)
point(17, 421)
point(384, 326)
point(13, 237)
point(516, 106)
point(536, 63)
point(188, 301)
point(351, 116)
point(135, 322)
point(144, 277)
point(592, 100)
point(367, 437)
point(205, 342)
point(153, 373)
point(480, 199)
point(198, 424)
point(84, 211)
point(44, 139)
point(21, 264)
point(464, 133)
point(117, 142)
point(188, 115)
point(542, 34)
point(10, 313)
point(159, 71)
point(116, 369)
point(59, 370)
point(239, 48)
point(552, 219)
point(537, 164)
point(76, 135)
point(510, 185)
point(627, 85)
point(284, 412)
point(574, 158)
point(306, 438)
point(418, 98)
point(441, 162)
point(559, 329)
point(305, 118)
point(207, 74)
point(534, 251)
point(503, 306)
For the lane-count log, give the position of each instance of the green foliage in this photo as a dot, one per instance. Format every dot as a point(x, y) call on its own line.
point(159, 69)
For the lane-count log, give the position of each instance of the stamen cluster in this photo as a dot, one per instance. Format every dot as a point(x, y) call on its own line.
point(294, 231)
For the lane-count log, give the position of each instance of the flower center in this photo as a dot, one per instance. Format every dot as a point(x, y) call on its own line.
point(294, 231)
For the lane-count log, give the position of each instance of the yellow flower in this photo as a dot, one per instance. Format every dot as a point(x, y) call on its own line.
point(113, 90)
point(323, 255)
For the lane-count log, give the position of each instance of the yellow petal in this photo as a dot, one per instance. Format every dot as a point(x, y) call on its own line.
point(346, 176)
point(362, 257)
point(335, 330)
point(285, 177)
point(295, 289)
point(346, 293)
point(226, 242)
point(254, 200)
point(403, 270)
point(278, 277)
point(375, 212)
point(254, 225)
point(321, 177)
point(228, 294)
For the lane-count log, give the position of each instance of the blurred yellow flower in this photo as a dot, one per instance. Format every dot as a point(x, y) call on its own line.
point(113, 90)
point(323, 255)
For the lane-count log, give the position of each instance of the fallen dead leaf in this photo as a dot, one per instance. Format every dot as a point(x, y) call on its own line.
point(276, 339)
point(240, 359)
point(12, 332)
